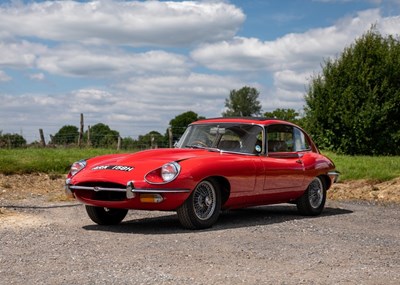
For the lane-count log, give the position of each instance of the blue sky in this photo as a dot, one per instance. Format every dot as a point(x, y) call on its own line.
point(135, 65)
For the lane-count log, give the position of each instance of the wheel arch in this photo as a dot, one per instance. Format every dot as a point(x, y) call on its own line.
point(326, 181)
point(225, 187)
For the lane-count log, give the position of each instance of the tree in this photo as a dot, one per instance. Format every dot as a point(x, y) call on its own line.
point(353, 107)
point(129, 143)
point(66, 135)
point(102, 136)
point(151, 140)
point(243, 103)
point(180, 123)
point(11, 141)
point(283, 114)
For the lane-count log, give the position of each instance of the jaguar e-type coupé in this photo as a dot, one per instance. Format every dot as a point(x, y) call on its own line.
point(222, 163)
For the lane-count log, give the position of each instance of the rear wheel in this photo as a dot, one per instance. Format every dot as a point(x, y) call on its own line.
point(201, 210)
point(106, 216)
point(312, 202)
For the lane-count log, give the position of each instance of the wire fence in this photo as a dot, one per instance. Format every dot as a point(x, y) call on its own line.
point(112, 141)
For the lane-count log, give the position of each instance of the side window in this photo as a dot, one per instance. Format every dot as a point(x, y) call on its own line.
point(300, 141)
point(280, 138)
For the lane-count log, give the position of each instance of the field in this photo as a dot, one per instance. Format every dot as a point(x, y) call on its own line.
point(41, 172)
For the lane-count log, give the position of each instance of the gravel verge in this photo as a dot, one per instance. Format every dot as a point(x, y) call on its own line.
point(46, 242)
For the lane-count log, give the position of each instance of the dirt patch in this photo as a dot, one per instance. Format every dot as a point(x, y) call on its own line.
point(11, 219)
point(25, 186)
point(378, 192)
point(51, 188)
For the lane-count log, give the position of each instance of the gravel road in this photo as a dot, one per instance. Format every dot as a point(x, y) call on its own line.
point(56, 243)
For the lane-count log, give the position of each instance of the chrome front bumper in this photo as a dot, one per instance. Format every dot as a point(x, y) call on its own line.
point(129, 190)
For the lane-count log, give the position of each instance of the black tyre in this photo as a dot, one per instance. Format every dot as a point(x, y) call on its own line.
point(312, 202)
point(201, 210)
point(106, 216)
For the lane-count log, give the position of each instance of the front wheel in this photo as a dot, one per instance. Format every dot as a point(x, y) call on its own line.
point(106, 216)
point(202, 208)
point(312, 202)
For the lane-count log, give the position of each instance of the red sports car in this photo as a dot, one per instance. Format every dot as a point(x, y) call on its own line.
point(222, 163)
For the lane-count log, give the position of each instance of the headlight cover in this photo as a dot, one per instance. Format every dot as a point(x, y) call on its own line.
point(77, 166)
point(166, 173)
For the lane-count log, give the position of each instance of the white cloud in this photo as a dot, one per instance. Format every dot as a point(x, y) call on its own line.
point(37, 76)
point(292, 51)
point(81, 61)
point(291, 80)
point(136, 23)
point(172, 95)
point(293, 58)
point(4, 77)
point(75, 60)
point(133, 107)
point(19, 54)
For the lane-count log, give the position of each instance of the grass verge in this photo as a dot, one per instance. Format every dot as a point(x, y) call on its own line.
point(44, 160)
point(374, 168)
point(58, 161)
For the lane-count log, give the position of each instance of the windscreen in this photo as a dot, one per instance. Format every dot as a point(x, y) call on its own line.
point(242, 138)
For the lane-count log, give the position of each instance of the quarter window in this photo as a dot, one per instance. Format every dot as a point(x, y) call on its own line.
point(300, 141)
point(284, 138)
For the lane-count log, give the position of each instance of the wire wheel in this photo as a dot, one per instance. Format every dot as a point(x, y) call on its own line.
point(312, 202)
point(316, 193)
point(201, 210)
point(204, 200)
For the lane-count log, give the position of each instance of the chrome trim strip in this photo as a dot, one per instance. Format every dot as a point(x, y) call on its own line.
point(129, 189)
point(160, 191)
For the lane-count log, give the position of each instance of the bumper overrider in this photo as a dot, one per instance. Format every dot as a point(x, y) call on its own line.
point(130, 190)
point(334, 176)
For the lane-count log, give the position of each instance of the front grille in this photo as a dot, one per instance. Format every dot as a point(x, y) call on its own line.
point(118, 192)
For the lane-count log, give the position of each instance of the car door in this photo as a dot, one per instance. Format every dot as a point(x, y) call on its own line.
point(283, 164)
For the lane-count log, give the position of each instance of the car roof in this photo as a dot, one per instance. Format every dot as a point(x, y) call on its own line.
point(244, 120)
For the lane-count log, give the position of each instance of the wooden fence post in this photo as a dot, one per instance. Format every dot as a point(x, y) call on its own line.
point(80, 132)
point(170, 137)
point(119, 143)
point(89, 143)
point(42, 141)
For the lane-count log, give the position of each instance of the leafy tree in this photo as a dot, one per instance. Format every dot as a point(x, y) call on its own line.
point(243, 103)
point(152, 139)
point(102, 136)
point(283, 114)
point(129, 143)
point(66, 135)
point(353, 107)
point(180, 123)
point(11, 141)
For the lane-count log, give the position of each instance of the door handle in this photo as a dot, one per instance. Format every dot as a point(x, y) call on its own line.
point(299, 161)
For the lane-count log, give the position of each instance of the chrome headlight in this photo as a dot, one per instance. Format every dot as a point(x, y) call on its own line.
point(169, 171)
point(164, 174)
point(77, 166)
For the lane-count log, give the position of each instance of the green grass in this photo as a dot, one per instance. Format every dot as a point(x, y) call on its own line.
point(58, 161)
point(48, 160)
point(375, 168)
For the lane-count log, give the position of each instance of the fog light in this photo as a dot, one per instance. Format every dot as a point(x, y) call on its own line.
point(151, 198)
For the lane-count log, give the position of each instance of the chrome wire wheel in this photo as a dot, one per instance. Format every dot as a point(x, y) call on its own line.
point(201, 210)
point(312, 202)
point(204, 200)
point(316, 193)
